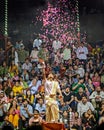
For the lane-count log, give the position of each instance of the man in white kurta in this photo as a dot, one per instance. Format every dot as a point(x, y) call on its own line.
point(51, 89)
point(56, 45)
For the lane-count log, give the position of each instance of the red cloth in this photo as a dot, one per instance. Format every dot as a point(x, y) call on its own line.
point(53, 126)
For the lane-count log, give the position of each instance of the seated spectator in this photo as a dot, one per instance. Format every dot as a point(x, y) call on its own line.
point(23, 83)
point(63, 107)
point(29, 97)
point(89, 85)
point(36, 119)
point(13, 69)
point(25, 75)
point(68, 97)
point(76, 122)
point(34, 55)
point(71, 115)
point(79, 95)
point(3, 110)
point(32, 74)
point(14, 114)
point(84, 106)
point(3, 97)
point(4, 68)
point(22, 54)
point(40, 106)
point(82, 52)
point(86, 121)
point(80, 84)
point(20, 99)
point(65, 119)
point(17, 88)
point(34, 85)
point(92, 119)
point(7, 89)
point(96, 79)
point(97, 97)
point(27, 65)
point(26, 111)
point(76, 78)
point(101, 111)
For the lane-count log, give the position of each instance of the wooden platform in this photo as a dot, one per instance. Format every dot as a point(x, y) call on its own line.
point(53, 126)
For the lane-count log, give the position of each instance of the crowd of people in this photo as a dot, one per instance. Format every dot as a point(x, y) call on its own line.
point(60, 83)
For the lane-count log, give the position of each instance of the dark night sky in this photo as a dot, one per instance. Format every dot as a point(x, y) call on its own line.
point(19, 9)
point(23, 5)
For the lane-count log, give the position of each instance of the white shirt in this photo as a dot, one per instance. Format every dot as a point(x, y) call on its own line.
point(34, 88)
point(82, 53)
point(37, 43)
point(56, 45)
point(95, 94)
point(27, 66)
point(80, 71)
point(34, 55)
point(81, 108)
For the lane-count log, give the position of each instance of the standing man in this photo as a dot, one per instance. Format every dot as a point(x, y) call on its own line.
point(37, 42)
point(51, 89)
point(56, 45)
point(82, 52)
point(67, 53)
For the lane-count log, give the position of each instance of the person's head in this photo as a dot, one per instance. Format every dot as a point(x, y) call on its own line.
point(81, 80)
point(34, 81)
point(25, 102)
point(50, 77)
point(14, 103)
point(65, 113)
point(6, 118)
point(12, 63)
point(26, 60)
point(28, 92)
point(33, 71)
point(89, 111)
point(67, 89)
point(17, 83)
point(96, 74)
point(20, 98)
point(4, 64)
point(81, 44)
point(98, 89)
point(76, 114)
point(1, 94)
point(85, 115)
point(77, 76)
point(84, 99)
point(80, 90)
point(40, 100)
point(102, 105)
point(36, 113)
point(75, 67)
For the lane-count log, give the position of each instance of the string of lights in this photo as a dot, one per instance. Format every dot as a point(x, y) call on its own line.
point(78, 17)
point(6, 17)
